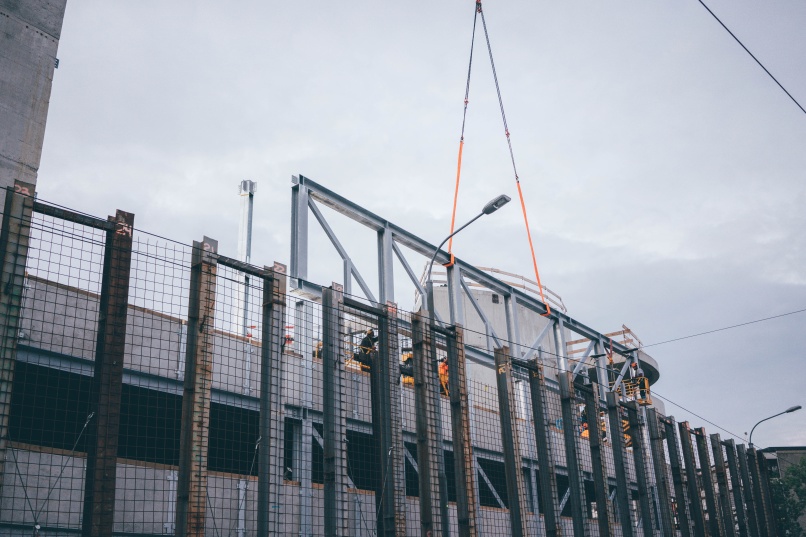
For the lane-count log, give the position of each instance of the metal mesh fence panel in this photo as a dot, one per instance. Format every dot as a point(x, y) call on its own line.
point(239, 408)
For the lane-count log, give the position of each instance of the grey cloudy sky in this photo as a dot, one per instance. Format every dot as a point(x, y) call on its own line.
point(663, 170)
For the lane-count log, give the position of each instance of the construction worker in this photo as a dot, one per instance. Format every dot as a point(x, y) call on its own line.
point(407, 366)
point(443, 375)
point(364, 354)
point(638, 380)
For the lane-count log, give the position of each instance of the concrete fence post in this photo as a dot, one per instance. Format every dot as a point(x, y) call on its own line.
point(14, 236)
point(107, 382)
point(725, 509)
point(695, 491)
point(429, 452)
point(639, 458)
point(678, 477)
point(620, 462)
point(753, 523)
point(711, 501)
point(661, 473)
point(597, 460)
point(271, 419)
point(463, 467)
point(510, 441)
point(545, 456)
point(191, 493)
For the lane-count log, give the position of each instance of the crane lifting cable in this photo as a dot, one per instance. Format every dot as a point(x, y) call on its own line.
point(479, 11)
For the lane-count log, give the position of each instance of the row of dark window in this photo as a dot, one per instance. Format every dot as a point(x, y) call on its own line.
point(49, 408)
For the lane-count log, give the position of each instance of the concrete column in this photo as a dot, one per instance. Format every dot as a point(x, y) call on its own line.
point(191, 497)
point(711, 500)
point(694, 489)
point(516, 494)
point(429, 451)
point(736, 482)
point(753, 522)
point(619, 460)
point(639, 458)
point(335, 421)
point(463, 467)
point(597, 460)
point(571, 437)
point(14, 235)
point(271, 418)
point(545, 456)
point(107, 382)
point(661, 473)
point(678, 477)
point(725, 509)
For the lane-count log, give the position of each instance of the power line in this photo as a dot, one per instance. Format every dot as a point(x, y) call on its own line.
point(752, 56)
point(725, 328)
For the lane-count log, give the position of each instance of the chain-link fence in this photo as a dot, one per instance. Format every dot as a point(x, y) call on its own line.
point(150, 387)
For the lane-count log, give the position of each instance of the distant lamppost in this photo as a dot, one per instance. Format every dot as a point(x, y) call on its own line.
point(490, 208)
point(787, 411)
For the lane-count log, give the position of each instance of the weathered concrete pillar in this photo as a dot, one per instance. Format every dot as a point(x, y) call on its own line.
point(545, 456)
point(753, 523)
point(661, 473)
point(429, 452)
point(597, 460)
point(463, 467)
point(711, 501)
point(107, 382)
point(570, 436)
point(510, 440)
point(191, 494)
point(619, 460)
point(335, 422)
point(639, 458)
point(737, 486)
point(678, 477)
point(725, 509)
point(271, 419)
point(694, 489)
point(387, 425)
point(14, 235)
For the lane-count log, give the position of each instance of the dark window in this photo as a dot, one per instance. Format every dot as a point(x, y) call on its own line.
point(495, 298)
point(494, 471)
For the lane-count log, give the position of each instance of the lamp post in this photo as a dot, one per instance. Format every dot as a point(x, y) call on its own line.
point(787, 411)
point(490, 208)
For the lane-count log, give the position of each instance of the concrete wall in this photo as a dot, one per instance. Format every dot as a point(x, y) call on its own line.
point(29, 39)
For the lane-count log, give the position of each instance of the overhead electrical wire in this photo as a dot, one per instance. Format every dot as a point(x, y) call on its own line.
point(753, 56)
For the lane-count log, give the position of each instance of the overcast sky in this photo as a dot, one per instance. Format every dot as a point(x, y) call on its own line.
point(662, 169)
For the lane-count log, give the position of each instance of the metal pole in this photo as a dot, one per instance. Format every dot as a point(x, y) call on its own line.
point(107, 382)
point(714, 518)
point(428, 451)
point(678, 477)
point(597, 460)
point(14, 236)
point(510, 443)
point(334, 420)
point(639, 458)
point(661, 473)
point(463, 468)
point(726, 511)
point(191, 495)
point(567, 401)
point(694, 490)
point(545, 458)
point(619, 460)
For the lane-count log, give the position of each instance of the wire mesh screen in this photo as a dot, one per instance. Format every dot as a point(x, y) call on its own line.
point(44, 472)
point(298, 432)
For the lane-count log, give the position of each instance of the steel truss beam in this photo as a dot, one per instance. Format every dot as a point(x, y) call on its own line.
point(306, 191)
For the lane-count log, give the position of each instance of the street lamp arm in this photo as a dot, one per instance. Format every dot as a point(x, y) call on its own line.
point(436, 252)
point(787, 411)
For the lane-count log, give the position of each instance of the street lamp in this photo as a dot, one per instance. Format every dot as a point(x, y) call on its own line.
point(490, 208)
point(787, 411)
